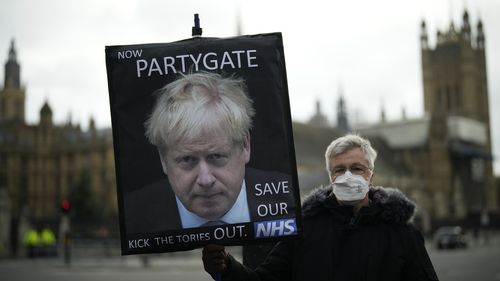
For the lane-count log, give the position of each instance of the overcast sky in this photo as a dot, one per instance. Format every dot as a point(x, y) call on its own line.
point(368, 50)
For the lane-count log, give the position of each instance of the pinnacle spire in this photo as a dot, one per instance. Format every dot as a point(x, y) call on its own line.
point(12, 51)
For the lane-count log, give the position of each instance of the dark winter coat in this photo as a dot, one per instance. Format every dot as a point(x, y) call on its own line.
point(378, 243)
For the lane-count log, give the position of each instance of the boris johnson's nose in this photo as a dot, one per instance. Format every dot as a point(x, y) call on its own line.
point(205, 177)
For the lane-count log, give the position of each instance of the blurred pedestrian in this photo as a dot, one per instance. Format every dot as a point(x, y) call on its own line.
point(32, 242)
point(48, 242)
point(352, 230)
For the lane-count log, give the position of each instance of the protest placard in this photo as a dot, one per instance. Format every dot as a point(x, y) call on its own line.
point(203, 143)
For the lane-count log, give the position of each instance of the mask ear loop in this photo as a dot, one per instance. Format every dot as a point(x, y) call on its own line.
point(370, 186)
point(370, 182)
point(331, 190)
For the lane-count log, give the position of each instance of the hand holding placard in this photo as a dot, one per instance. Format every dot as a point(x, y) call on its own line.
point(215, 260)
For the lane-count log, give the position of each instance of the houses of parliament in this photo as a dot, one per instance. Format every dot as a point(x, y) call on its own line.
point(442, 160)
point(45, 163)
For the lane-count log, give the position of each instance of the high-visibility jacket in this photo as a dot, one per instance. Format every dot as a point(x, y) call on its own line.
point(47, 237)
point(32, 238)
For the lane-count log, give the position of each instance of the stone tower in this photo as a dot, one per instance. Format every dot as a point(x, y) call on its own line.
point(43, 163)
point(12, 96)
point(342, 121)
point(319, 119)
point(456, 99)
point(454, 73)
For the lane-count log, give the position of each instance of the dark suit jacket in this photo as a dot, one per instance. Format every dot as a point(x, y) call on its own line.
point(154, 208)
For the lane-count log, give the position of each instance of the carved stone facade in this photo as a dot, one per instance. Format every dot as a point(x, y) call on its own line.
point(456, 98)
point(445, 156)
point(41, 164)
point(449, 148)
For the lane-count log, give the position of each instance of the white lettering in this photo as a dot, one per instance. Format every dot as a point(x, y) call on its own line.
point(290, 227)
point(214, 61)
point(272, 209)
point(154, 67)
point(169, 63)
point(139, 243)
point(226, 59)
point(250, 58)
point(193, 237)
point(271, 188)
point(129, 54)
point(238, 56)
point(166, 240)
point(275, 228)
point(183, 63)
point(228, 232)
point(263, 230)
point(196, 61)
point(140, 68)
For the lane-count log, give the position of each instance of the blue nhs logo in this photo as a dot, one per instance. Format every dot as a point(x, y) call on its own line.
point(275, 228)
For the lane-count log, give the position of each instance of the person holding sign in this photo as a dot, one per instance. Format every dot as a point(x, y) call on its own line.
point(351, 230)
point(200, 126)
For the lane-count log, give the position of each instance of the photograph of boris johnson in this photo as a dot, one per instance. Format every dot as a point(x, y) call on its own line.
point(201, 125)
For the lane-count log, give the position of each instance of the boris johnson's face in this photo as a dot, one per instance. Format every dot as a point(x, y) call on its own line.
point(207, 174)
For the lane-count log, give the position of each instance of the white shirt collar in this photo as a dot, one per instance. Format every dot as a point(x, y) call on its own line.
point(237, 214)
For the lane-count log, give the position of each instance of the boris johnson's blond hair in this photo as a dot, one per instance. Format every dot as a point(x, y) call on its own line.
point(196, 104)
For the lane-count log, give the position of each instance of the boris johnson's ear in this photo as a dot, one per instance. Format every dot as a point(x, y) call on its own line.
point(163, 161)
point(246, 148)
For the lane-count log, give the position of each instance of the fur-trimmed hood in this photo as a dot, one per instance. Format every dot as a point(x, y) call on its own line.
point(391, 204)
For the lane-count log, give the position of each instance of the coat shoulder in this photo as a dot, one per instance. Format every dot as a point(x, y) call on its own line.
point(395, 206)
point(313, 203)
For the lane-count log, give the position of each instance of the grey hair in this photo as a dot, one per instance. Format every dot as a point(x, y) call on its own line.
point(349, 141)
point(196, 104)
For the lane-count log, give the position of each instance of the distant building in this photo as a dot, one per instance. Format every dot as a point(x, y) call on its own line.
point(342, 120)
point(42, 164)
point(445, 156)
point(12, 96)
point(450, 147)
point(319, 119)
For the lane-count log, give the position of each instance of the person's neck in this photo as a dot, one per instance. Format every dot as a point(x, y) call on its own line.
point(364, 203)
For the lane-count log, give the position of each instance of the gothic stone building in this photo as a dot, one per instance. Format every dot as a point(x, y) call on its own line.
point(442, 160)
point(449, 148)
point(41, 164)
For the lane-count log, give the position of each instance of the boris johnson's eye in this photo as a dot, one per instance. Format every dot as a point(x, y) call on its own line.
point(217, 159)
point(186, 162)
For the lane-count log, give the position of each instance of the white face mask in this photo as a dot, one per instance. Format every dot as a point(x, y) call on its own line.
point(350, 189)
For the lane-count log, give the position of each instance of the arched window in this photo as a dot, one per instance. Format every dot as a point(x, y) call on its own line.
point(439, 100)
point(458, 97)
point(448, 98)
